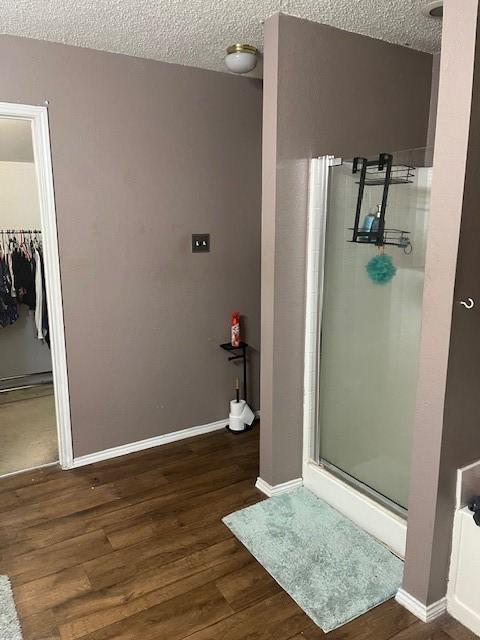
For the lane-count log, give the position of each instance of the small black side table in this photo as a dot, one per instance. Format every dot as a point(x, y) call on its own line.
point(242, 348)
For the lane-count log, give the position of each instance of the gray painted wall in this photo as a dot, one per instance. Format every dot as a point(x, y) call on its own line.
point(326, 91)
point(448, 414)
point(144, 154)
point(22, 353)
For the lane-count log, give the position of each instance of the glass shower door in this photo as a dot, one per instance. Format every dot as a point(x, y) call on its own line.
point(370, 333)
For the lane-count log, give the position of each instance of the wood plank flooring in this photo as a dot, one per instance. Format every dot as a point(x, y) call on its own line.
point(134, 549)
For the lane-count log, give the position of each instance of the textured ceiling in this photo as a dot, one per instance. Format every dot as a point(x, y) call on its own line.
point(196, 32)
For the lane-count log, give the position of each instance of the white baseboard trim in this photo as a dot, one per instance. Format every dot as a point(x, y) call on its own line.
point(277, 489)
point(425, 613)
point(156, 441)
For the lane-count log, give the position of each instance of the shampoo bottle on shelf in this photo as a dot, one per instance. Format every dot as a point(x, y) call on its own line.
point(370, 224)
point(376, 221)
point(367, 226)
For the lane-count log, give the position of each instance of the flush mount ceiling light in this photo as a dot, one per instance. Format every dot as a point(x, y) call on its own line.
point(433, 9)
point(241, 58)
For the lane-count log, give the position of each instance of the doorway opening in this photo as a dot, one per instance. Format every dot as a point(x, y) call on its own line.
point(34, 400)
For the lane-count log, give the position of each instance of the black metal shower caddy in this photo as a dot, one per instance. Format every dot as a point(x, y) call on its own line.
point(380, 172)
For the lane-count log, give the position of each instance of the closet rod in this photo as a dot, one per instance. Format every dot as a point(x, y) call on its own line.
point(20, 231)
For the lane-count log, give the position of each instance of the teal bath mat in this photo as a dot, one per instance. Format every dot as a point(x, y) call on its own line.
point(332, 569)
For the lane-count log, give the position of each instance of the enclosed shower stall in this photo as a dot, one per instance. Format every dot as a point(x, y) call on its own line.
point(368, 220)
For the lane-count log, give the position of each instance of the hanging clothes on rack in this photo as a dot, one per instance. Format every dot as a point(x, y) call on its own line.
point(45, 324)
point(22, 279)
point(8, 305)
point(24, 274)
point(38, 295)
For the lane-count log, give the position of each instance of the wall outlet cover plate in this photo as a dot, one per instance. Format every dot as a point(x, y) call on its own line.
point(200, 242)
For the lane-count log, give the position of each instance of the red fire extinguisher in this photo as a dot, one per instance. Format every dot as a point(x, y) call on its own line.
point(235, 329)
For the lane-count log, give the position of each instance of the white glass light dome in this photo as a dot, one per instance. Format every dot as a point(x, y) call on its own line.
point(241, 58)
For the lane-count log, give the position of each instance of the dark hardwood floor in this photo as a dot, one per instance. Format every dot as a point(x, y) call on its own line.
point(134, 548)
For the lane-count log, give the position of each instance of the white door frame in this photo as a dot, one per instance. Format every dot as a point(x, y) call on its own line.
point(365, 512)
point(38, 117)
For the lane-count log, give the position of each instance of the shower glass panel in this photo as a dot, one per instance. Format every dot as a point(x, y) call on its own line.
point(370, 332)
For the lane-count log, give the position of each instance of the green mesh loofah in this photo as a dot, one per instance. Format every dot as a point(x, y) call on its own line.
point(381, 269)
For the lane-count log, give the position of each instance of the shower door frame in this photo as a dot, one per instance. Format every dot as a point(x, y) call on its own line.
point(367, 513)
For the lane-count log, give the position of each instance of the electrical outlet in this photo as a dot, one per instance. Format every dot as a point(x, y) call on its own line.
point(200, 242)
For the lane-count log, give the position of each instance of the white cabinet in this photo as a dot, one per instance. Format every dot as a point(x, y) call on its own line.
point(463, 596)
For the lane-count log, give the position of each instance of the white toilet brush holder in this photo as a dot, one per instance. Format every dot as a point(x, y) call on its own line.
point(241, 416)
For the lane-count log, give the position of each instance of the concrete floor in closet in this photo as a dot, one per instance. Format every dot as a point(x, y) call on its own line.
point(28, 433)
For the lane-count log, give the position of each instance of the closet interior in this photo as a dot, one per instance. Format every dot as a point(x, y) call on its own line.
point(28, 435)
